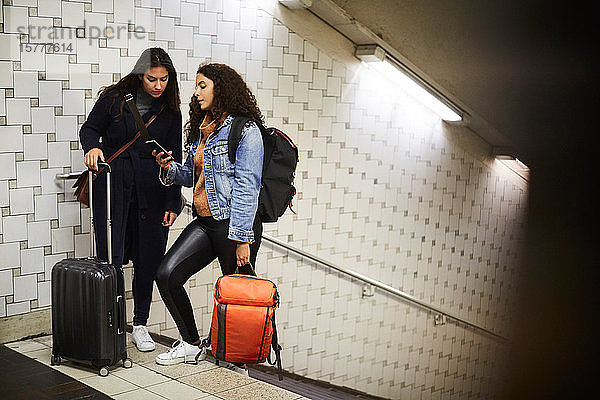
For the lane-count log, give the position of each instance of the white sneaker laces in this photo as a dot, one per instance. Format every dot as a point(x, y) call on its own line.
point(144, 335)
point(180, 344)
point(175, 346)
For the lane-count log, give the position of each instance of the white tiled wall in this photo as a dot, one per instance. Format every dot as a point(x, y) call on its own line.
point(384, 189)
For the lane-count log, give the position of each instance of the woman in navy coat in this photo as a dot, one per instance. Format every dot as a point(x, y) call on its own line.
point(142, 209)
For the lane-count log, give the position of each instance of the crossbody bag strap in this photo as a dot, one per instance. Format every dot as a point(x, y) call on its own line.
point(137, 135)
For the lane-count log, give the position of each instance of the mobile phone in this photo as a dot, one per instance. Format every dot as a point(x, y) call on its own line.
point(158, 147)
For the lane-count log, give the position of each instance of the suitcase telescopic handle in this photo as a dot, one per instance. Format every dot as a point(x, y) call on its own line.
point(108, 170)
point(120, 316)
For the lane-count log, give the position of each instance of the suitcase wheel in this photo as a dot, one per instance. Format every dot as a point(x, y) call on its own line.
point(55, 360)
point(103, 371)
point(127, 363)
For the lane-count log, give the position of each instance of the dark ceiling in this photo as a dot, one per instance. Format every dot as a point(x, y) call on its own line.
point(520, 65)
point(527, 68)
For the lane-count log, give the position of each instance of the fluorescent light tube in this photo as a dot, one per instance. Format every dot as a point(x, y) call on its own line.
point(415, 90)
point(296, 4)
point(377, 58)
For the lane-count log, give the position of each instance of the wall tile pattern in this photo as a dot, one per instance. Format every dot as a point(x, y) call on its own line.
point(383, 189)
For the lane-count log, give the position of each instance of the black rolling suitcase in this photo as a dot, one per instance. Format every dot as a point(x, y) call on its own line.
point(88, 306)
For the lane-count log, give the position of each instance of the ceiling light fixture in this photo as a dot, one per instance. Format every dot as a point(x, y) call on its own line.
point(296, 4)
point(409, 82)
point(505, 155)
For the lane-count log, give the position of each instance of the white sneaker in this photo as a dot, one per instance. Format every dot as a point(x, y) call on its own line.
point(202, 355)
point(181, 352)
point(240, 370)
point(142, 338)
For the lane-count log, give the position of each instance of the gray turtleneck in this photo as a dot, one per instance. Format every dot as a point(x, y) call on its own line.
point(143, 101)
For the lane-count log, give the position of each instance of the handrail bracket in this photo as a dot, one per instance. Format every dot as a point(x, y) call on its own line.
point(439, 319)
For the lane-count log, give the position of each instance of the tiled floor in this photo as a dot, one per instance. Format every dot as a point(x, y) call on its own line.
point(146, 380)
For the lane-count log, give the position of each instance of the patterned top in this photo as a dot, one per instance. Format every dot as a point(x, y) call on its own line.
point(200, 197)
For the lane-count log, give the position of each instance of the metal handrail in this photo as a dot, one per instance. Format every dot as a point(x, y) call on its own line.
point(386, 288)
point(70, 175)
point(382, 286)
point(378, 284)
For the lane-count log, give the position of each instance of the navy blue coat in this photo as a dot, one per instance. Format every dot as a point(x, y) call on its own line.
point(138, 199)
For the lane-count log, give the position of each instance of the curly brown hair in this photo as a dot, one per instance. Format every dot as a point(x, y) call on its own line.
point(231, 96)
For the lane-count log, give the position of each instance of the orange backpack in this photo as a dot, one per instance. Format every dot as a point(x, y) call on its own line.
point(243, 320)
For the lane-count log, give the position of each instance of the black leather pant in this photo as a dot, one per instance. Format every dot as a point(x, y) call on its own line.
point(203, 240)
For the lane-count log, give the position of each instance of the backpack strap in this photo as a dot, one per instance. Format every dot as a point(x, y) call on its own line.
point(277, 349)
point(235, 136)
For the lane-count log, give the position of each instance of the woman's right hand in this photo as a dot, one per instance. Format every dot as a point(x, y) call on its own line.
point(91, 158)
point(163, 159)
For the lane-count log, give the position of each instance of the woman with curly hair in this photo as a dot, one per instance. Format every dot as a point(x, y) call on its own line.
point(226, 225)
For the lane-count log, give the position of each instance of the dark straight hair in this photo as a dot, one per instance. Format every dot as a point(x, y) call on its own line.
point(150, 58)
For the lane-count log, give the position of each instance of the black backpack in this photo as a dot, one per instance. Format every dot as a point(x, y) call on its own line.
point(279, 167)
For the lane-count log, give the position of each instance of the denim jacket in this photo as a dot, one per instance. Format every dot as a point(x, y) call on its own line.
point(232, 189)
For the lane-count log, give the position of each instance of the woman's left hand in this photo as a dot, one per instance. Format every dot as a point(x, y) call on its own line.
point(242, 254)
point(169, 218)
